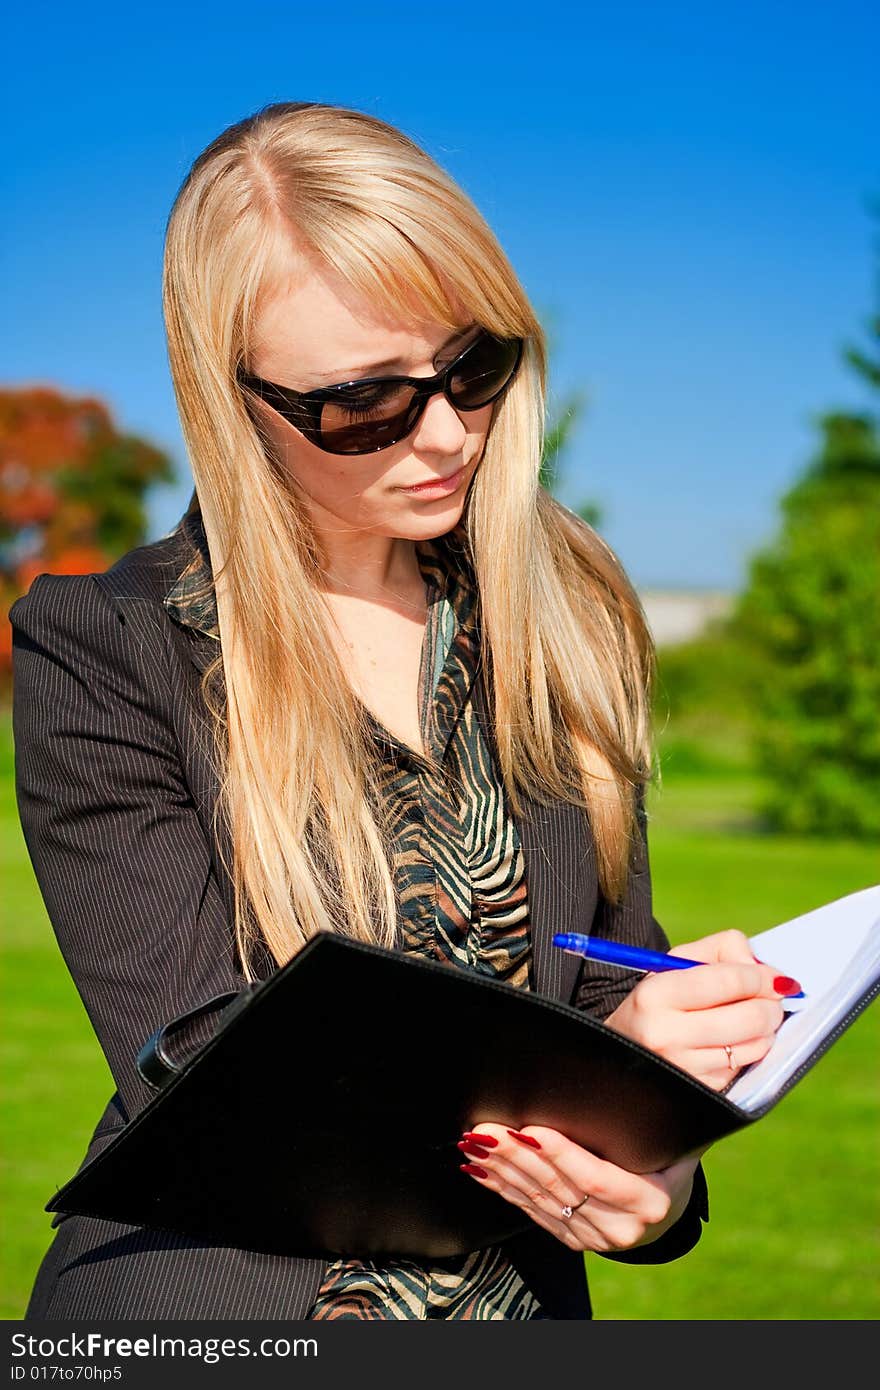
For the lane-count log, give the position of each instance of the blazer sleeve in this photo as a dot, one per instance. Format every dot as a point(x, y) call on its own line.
point(600, 989)
point(119, 855)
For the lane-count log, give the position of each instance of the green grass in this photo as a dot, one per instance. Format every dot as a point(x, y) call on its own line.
point(794, 1222)
point(55, 1081)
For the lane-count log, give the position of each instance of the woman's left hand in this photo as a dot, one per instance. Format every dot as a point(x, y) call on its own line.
point(545, 1174)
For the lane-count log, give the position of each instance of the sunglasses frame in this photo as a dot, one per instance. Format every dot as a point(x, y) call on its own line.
point(302, 409)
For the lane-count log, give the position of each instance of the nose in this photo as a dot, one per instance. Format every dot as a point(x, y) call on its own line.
point(441, 429)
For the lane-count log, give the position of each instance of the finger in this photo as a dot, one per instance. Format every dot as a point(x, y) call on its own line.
point(730, 1024)
point(577, 1232)
point(718, 1068)
point(563, 1172)
point(547, 1159)
point(723, 946)
point(721, 1064)
point(597, 1227)
point(534, 1182)
point(582, 1236)
point(710, 986)
point(732, 947)
point(590, 1226)
point(511, 1183)
point(609, 1186)
point(521, 1158)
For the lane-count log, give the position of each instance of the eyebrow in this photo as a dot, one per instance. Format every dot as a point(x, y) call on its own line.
point(393, 364)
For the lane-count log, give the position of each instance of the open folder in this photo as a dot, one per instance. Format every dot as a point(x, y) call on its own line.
point(323, 1116)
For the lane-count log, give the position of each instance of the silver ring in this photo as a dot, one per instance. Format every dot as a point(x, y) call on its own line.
point(569, 1211)
point(730, 1062)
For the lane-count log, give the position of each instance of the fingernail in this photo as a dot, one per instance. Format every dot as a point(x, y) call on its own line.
point(468, 1147)
point(786, 986)
point(524, 1138)
point(474, 1170)
point(488, 1140)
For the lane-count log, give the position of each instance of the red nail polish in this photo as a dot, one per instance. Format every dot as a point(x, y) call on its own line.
point(486, 1139)
point(476, 1150)
point(785, 985)
point(474, 1170)
point(524, 1138)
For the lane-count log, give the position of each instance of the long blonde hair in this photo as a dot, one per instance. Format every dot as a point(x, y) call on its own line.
point(566, 649)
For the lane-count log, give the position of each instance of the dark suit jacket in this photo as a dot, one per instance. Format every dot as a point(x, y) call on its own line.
point(116, 794)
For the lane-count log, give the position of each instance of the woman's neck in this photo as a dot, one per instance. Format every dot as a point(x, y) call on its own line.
point(369, 567)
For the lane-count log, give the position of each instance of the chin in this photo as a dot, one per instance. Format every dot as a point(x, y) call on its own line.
point(428, 520)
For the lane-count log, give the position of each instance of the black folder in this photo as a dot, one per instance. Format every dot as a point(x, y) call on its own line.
point(322, 1118)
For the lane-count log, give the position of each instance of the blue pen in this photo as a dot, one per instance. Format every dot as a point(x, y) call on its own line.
point(616, 953)
point(630, 957)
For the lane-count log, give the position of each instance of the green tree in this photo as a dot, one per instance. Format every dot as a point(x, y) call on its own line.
point(557, 440)
point(72, 492)
point(810, 620)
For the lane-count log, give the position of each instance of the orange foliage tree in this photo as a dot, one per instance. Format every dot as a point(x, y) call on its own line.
point(72, 491)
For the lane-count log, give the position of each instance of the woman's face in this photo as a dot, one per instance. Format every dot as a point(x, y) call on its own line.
point(314, 331)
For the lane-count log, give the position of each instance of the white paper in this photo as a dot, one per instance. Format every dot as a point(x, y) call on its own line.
point(834, 953)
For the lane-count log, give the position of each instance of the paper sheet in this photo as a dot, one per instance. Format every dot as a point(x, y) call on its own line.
point(834, 952)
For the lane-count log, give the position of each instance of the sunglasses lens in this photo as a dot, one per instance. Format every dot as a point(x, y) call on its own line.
point(484, 371)
point(360, 422)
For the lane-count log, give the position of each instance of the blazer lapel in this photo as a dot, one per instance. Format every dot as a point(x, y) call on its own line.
point(563, 889)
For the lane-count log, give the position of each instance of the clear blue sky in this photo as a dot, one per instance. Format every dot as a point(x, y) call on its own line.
point(683, 189)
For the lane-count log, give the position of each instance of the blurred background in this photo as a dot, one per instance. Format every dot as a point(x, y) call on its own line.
point(691, 196)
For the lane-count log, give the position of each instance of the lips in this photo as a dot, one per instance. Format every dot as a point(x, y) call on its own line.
point(432, 483)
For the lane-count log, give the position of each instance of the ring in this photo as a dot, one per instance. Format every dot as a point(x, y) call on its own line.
point(730, 1062)
point(569, 1211)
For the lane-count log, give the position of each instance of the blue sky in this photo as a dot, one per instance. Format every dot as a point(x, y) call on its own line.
point(683, 189)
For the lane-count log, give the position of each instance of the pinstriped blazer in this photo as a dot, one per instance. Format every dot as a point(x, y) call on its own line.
point(116, 793)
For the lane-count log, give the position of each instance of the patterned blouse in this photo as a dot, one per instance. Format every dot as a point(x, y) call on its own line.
point(459, 874)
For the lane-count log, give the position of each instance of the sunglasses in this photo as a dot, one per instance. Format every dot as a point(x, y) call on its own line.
point(361, 417)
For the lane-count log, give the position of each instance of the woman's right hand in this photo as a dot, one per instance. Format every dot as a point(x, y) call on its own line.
point(710, 1022)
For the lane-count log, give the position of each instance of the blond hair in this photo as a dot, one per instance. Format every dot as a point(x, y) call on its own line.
point(567, 653)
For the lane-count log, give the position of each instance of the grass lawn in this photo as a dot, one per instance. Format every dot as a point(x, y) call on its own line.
point(795, 1210)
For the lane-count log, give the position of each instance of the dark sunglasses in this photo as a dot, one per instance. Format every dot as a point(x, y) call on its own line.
point(360, 417)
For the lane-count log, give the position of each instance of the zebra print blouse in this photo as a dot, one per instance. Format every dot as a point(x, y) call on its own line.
point(459, 873)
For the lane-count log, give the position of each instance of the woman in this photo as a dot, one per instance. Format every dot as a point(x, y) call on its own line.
point(373, 682)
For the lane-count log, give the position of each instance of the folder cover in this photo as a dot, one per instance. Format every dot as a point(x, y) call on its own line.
point(322, 1118)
